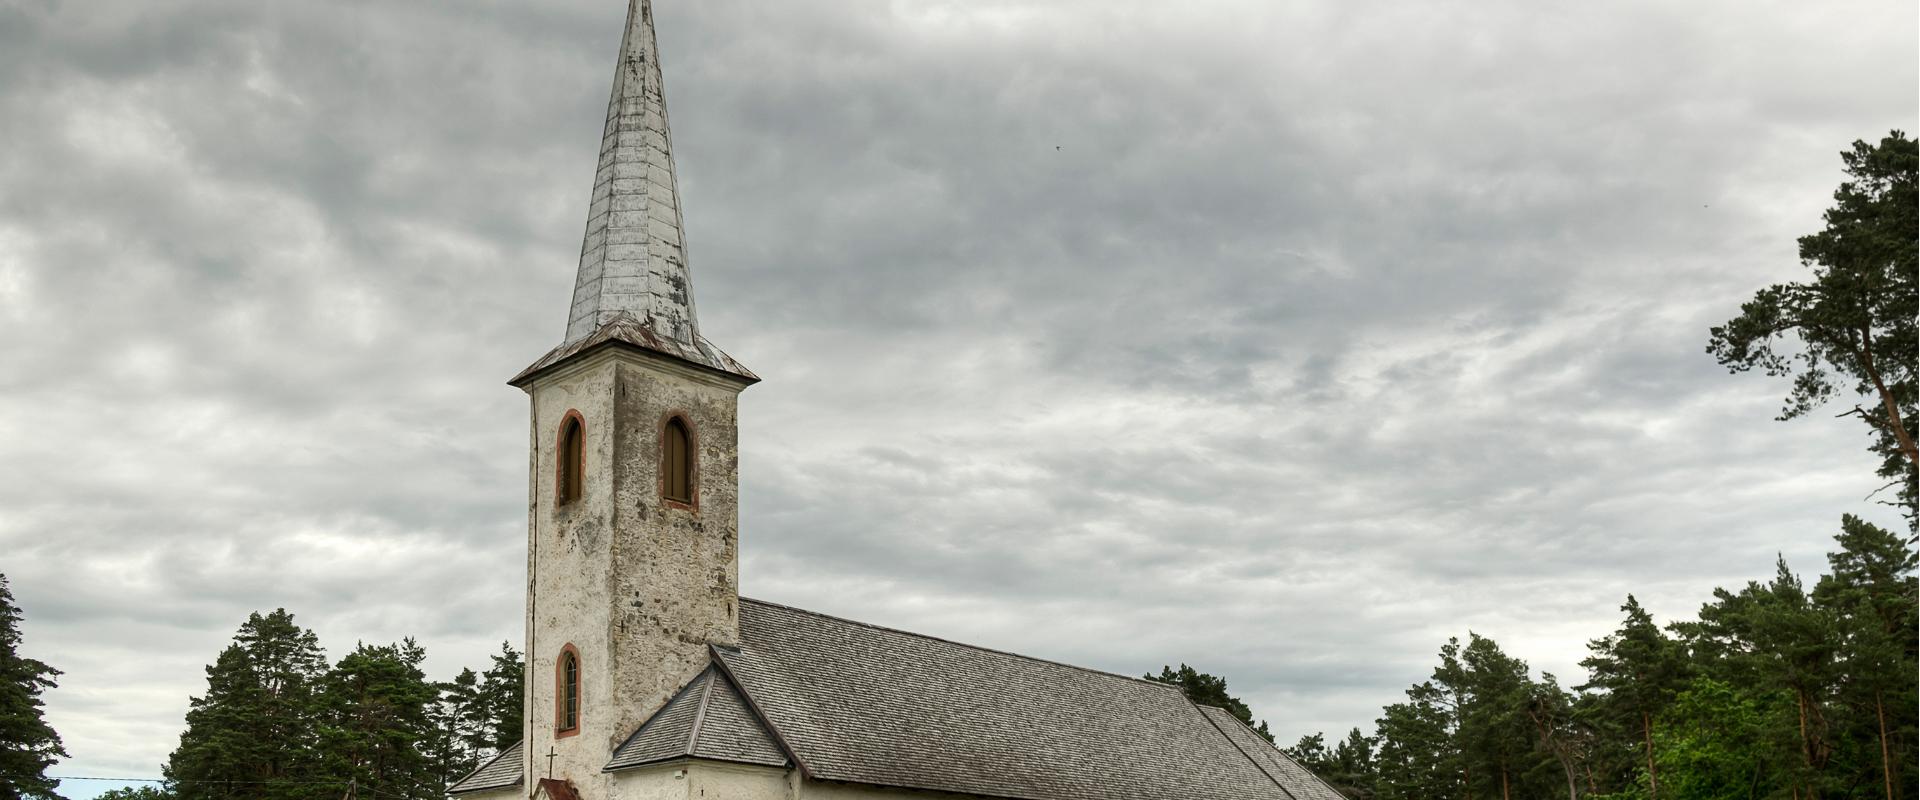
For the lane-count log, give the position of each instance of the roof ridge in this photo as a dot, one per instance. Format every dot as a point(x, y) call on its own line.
point(1279, 784)
point(700, 711)
point(745, 600)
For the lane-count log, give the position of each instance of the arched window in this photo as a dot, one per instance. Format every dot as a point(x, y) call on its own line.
point(567, 712)
point(572, 453)
point(676, 461)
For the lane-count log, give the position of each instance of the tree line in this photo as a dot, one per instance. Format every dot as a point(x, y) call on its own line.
point(279, 722)
point(1777, 690)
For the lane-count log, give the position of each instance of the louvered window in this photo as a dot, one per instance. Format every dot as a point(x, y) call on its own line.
point(676, 462)
point(573, 459)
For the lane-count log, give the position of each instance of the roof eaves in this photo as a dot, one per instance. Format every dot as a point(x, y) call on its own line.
point(726, 671)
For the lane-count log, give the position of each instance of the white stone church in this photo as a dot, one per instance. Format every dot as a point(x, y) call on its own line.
point(649, 676)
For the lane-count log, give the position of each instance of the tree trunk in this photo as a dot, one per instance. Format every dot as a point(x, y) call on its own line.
point(1653, 775)
point(1894, 423)
point(1504, 793)
point(1886, 755)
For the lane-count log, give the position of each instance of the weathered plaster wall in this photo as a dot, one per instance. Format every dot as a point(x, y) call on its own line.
point(637, 585)
point(712, 781)
point(660, 782)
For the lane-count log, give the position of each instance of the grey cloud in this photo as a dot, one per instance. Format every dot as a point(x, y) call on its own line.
point(1282, 340)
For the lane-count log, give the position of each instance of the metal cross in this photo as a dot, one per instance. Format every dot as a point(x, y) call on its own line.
point(551, 755)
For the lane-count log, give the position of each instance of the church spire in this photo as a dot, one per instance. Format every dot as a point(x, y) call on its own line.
point(634, 257)
point(634, 285)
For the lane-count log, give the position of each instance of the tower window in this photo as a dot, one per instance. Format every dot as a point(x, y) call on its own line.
point(676, 461)
point(567, 713)
point(572, 453)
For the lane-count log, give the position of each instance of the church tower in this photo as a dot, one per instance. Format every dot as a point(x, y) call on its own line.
point(632, 546)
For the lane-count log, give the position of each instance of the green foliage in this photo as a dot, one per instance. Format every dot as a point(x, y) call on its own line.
point(1851, 329)
point(1713, 743)
point(375, 722)
point(140, 793)
point(478, 715)
point(1348, 766)
point(1634, 673)
point(1418, 756)
point(255, 732)
point(27, 744)
point(1210, 691)
point(278, 723)
point(501, 690)
point(1773, 692)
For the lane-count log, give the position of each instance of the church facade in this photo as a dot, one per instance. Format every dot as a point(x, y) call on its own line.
point(651, 677)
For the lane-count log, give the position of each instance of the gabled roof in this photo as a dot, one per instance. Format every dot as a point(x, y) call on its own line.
point(707, 719)
point(499, 773)
point(865, 704)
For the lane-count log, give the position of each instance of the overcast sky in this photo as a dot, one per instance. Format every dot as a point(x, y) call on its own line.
point(1283, 338)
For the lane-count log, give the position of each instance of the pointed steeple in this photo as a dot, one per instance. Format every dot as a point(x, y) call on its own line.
point(634, 285)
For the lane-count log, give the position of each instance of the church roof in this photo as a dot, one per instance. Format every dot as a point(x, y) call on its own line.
point(633, 286)
point(499, 773)
point(707, 719)
point(864, 704)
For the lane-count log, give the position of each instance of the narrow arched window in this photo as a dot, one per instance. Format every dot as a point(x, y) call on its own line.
point(567, 714)
point(676, 461)
point(572, 453)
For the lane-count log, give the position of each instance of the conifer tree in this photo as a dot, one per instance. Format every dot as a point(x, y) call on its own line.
point(252, 735)
point(1871, 594)
point(1210, 690)
point(1772, 639)
point(501, 693)
point(1850, 331)
point(460, 735)
point(1417, 758)
point(27, 744)
point(1638, 670)
point(376, 725)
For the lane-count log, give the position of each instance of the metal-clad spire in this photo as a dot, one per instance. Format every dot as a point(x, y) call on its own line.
point(634, 257)
point(634, 287)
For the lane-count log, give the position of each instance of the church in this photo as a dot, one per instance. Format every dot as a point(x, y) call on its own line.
point(650, 677)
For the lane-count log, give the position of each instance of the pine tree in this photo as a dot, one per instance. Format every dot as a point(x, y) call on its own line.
point(460, 735)
point(1638, 670)
point(1417, 758)
point(1771, 639)
point(376, 723)
point(501, 695)
point(1871, 594)
point(252, 735)
point(27, 744)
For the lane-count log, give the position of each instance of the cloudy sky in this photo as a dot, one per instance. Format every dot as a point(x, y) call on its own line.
point(1285, 339)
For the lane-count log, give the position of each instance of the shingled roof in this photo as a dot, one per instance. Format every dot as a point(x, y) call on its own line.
point(864, 704)
point(501, 772)
point(706, 719)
